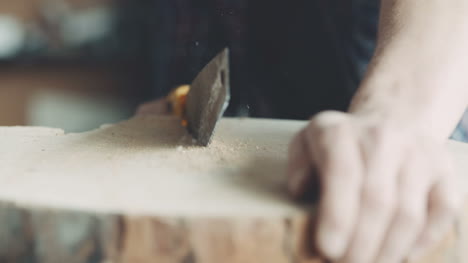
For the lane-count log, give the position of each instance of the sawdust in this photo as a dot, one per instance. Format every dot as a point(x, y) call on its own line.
point(149, 165)
point(220, 151)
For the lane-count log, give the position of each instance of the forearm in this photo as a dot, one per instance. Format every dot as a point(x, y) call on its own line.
point(418, 77)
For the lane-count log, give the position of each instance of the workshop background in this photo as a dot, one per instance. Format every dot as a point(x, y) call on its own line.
point(73, 64)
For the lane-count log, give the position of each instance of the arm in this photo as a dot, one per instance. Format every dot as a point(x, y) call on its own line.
point(387, 182)
point(418, 75)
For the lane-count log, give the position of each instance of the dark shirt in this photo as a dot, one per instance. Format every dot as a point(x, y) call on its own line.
point(288, 59)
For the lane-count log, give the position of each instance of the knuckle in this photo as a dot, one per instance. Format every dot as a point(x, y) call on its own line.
point(339, 129)
point(382, 133)
point(410, 216)
point(325, 116)
point(450, 203)
point(328, 119)
point(378, 199)
point(344, 172)
point(330, 132)
point(333, 132)
point(447, 197)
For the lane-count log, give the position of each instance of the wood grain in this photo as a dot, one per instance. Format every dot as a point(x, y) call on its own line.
point(139, 192)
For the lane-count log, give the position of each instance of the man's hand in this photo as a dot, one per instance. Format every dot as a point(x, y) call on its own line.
point(386, 190)
point(387, 185)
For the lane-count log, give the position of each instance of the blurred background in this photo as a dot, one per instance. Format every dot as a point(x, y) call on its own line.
point(74, 64)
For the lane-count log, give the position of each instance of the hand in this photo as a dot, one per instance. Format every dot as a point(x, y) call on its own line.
point(386, 190)
point(156, 107)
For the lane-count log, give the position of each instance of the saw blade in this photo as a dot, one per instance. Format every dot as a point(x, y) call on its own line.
point(208, 98)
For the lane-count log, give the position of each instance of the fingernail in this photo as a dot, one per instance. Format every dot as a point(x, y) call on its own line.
point(330, 242)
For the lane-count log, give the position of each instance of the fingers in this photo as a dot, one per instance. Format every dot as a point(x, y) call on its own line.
point(380, 193)
point(329, 146)
point(378, 199)
point(410, 215)
point(443, 206)
point(444, 202)
point(339, 164)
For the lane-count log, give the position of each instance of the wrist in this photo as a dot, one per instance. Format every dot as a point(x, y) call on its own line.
point(412, 105)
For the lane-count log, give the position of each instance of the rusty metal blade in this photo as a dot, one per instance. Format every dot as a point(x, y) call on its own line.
point(208, 98)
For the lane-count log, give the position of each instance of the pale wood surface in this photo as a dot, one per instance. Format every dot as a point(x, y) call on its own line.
point(139, 192)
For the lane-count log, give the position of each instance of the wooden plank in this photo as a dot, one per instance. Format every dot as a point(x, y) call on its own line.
point(139, 192)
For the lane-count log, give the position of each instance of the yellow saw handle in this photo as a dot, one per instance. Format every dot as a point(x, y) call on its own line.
point(178, 99)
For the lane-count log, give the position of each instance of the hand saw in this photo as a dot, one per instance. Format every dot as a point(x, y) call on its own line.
point(204, 102)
